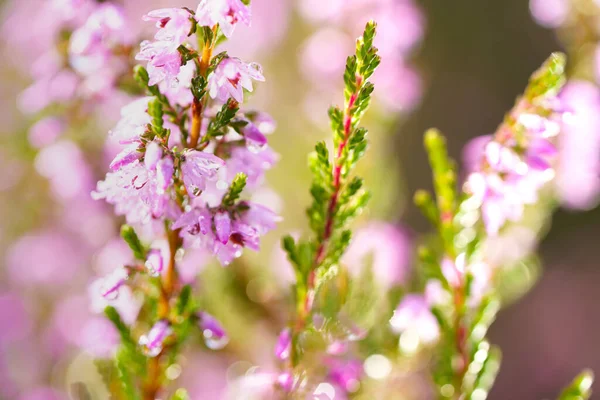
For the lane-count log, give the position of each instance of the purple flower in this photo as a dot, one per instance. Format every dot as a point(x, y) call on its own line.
point(154, 262)
point(198, 167)
point(255, 140)
point(413, 314)
point(135, 192)
point(197, 220)
point(215, 336)
point(152, 155)
point(345, 373)
point(174, 24)
point(260, 218)
point(133, 123)
point(128, 155)
point(222, 226)
point(164, 61)
point(153, 341)
point(91, 46)
point(113, 282)
point(164, 174)
point(231, 77)
point(225, 13)
point(253, 164)
point(283, 348)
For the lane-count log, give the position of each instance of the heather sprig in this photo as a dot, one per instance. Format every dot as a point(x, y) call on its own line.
point(337, 197)
point(181, 182)
point(514, 171)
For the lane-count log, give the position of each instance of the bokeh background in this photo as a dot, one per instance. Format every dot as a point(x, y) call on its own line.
point(452, 64)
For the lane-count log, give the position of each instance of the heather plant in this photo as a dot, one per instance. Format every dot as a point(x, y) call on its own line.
point(192, 154)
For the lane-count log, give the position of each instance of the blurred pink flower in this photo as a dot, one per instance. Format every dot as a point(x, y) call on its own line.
point(387, 246)
point(46, 131)
point(578, 171)
point(413, 314)
point(64, 164)
point(550, 13)
point(32, 260)
point(99, 337)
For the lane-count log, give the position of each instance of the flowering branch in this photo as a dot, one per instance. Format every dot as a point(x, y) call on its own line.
point(181, 185)
point(517, 164)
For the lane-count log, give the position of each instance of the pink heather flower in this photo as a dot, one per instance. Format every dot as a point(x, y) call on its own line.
point(255, 139)
point(222, 222)
point(509, 178)
point(197, 220)
point(174, 24)
point(164, 61)
point(214, 334)
point(92, 46)
point(133, 122)
point(128, 155)
point(198, 168)
point(283, 348)
point(386, 246)
point(225, 13)
point(153, 341)
point(152, 155)
point(126, 303)
point(155, 262)
point(244, 231)
point(164, 174)
point(413, 314)
point(231, 77)
point(137, 193)
point(111, 284)
point(253, 164)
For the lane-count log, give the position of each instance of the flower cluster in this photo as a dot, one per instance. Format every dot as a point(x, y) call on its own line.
point(518, 161)
point(188, 155)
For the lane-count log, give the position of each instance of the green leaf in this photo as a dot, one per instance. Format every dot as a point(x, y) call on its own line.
point(549, 78)
point(131, 238)
point(199, 86)
point(222, 119)
point(113, 315)
point(580, 388)
point(127, 383)
point(235, 190)
point(184, 300)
